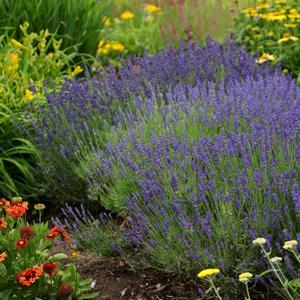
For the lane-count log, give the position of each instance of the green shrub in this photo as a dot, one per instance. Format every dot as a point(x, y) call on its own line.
point(25, 66)
point(272, 29)
point(78, 22)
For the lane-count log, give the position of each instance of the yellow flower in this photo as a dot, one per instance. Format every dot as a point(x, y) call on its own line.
point(77, 70)
point(102, 51)
point(280, 1)
point(101, 43)
point(106, 21)
point(245, 277)
point(74, 254)
point(264, 58)
point(39, 206)
point(287, 37)
point(262, 6)
point(152, 9)
point(29, 95)
point(208, 273)
point(270, 33)
point(127, 15)
point(259, 241)
point(17, 44)
point(290, 25)
point(290, 245)
point(14, 59)
point(118, 47)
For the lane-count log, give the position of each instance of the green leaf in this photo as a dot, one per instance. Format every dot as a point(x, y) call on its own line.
point(3, 271)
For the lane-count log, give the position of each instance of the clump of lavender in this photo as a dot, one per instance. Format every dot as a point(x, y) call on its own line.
point(209, 171)
point(98, 235)
point(75, 121)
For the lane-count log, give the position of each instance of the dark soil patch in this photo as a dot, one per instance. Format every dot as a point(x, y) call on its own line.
point(115, 280)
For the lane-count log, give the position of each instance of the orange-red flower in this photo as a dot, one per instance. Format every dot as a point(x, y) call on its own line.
point(21, 244)
point(51, 235)
point(65, 290)
point(3, 224)
point(26, 233)
point(55, 231)
point(50, 268)
point(4, 203)
point(29, 276)
point(17, 209)
point(2, 257)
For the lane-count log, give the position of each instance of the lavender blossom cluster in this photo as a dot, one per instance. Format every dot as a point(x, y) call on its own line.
point(81, 103)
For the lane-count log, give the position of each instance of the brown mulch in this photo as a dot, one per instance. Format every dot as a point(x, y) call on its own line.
point(114, 280)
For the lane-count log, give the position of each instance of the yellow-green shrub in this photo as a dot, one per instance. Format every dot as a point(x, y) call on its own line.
point(24, 67)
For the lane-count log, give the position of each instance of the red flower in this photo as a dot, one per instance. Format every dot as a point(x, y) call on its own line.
point(51, 235)
point(21, 244)
point(55, 231)
point(50, 268)
point(65, 290)
point(27, 233)
point(17, 209)
point(3, 224)
point(29, 276)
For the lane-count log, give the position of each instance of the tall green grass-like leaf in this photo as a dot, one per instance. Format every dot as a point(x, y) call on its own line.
point(15, 155)
point(78, 22)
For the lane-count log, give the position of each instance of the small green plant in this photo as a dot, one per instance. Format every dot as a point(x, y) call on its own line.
point(27, 269)
point(290, 288)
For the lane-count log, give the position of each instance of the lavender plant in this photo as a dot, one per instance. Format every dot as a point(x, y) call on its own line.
point(209, 171)
point(98, 234)
point(75, 122)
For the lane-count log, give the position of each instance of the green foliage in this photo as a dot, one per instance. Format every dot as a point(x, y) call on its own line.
point(78, 22)
point(26, 249)
point(131, 31)
point(24, 67)
point(272, 29)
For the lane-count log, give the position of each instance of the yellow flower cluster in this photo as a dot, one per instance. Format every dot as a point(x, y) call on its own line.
point(104, 47)
point(208, 273)
point(127, 15)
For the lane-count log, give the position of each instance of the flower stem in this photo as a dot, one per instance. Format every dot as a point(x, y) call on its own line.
point(215, 289)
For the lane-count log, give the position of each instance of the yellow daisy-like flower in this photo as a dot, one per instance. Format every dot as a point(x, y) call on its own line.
point(208, 273)
point(152, 9)
point(287, 37)
point(127, 15)
point(245, 277)
point(280, 1)
point(259, 242)
point(118, 47)
point(264, 58)
point(294, 15)
point(290, 245)
point(74, 254)
point(29, 95)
